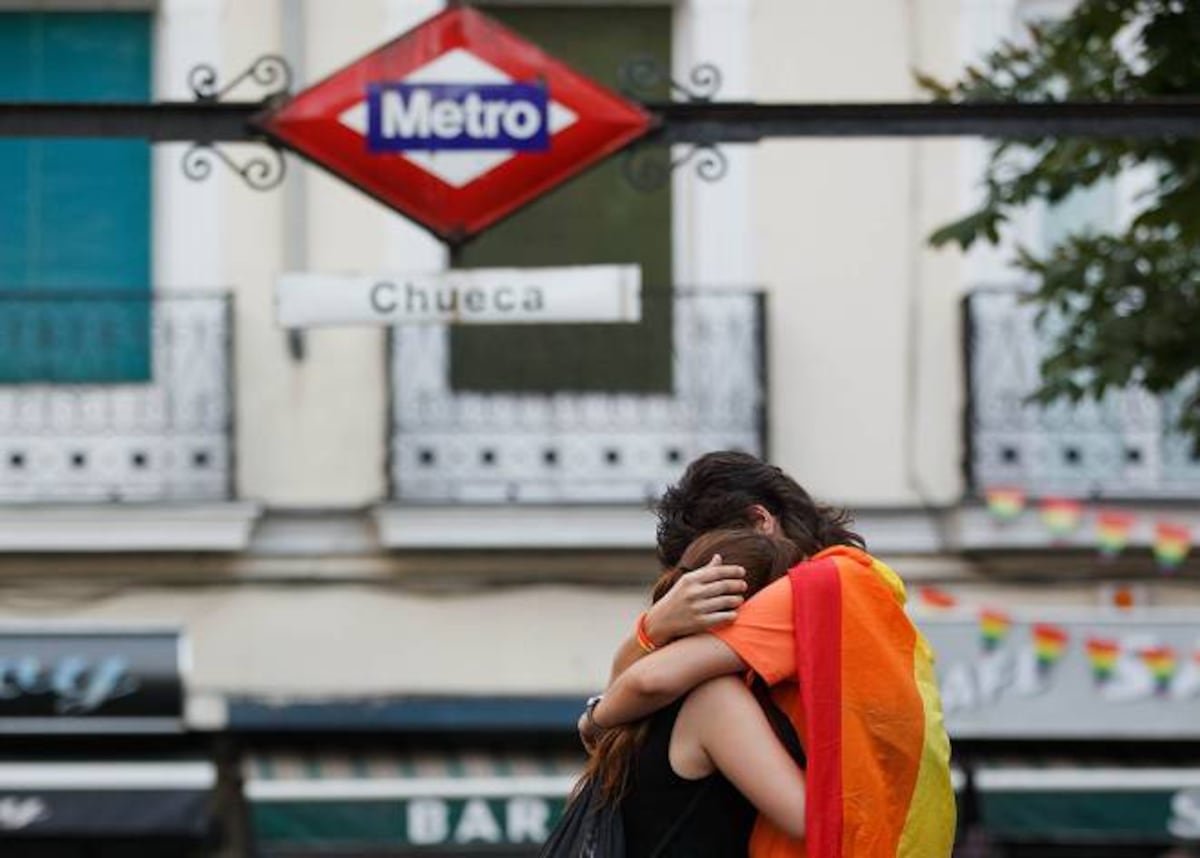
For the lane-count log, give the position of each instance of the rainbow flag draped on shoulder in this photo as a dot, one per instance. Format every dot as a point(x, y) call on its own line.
point(878, 755)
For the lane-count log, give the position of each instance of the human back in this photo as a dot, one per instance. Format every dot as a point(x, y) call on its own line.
point(690, 777)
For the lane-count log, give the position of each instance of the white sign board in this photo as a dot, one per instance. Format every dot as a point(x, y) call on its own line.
point(591, 293)
point(1087, 675)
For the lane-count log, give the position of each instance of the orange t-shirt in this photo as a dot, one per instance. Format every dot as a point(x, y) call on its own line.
point(763, 636)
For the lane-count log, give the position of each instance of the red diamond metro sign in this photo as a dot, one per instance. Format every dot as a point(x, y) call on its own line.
point(456, 124)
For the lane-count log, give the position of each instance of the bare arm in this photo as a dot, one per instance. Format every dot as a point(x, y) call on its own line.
point(700, 600)
point(663, 676)
point(737, 737)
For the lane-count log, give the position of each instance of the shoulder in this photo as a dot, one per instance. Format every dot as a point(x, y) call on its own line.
point(718, 694)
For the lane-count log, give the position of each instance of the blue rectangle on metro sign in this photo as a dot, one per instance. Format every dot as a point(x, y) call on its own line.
point(432, 117)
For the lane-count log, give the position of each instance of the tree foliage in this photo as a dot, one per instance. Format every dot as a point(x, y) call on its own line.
point(1126, 302)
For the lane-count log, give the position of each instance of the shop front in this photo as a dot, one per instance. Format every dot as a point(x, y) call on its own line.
point(373, 802)
point(1077, 733)
point(94, 757)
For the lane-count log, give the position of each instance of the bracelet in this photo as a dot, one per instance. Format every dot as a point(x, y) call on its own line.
point(643, 638)
point(590, 713)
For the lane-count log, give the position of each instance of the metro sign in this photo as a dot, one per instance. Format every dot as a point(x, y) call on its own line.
point(456, 124)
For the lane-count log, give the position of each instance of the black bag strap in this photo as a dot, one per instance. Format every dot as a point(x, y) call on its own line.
point(681, 819)
point(779, 721)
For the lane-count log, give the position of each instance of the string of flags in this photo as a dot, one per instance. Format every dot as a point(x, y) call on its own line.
point(1063, 517)
point(1051, 643)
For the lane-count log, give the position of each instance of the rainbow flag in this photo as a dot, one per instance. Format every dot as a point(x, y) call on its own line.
point(1049, 644)
point(994, 627)
point(933, 597)
point(1172, 542)
point(1112, 532)
point(1161, 661)
point(878, 756)
point(1103, 655)
point(1005, 504)
point(1061, 516)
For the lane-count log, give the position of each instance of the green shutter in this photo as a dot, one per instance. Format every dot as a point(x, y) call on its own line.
point(596, 218)
point(75, 224)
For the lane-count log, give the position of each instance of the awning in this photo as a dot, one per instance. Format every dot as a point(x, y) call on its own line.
point(106, 799)
point(353, 800)
point(1089, 804)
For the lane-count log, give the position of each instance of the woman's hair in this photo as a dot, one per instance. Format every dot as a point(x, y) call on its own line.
point(765, 558)
point(718, 490)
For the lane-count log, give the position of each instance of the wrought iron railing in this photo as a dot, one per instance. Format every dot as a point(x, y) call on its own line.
point(461, 447)
point(1120, 446)
point(115, 398)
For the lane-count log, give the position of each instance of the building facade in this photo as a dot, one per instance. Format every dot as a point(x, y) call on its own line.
point(399, 559)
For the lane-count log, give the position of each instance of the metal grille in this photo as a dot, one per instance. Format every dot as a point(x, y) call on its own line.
point(166, 438)
point(613, 447)
point(1119, 446)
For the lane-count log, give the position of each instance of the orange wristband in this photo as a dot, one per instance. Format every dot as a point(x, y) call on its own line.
point(643, 639)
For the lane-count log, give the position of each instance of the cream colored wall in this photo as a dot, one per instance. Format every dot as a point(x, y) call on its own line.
point(840, 228)
point(309, 432)
point(354, 640)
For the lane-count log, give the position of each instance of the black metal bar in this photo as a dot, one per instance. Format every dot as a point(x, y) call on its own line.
point(747, 122)
point(682, 122)
point(164, 121)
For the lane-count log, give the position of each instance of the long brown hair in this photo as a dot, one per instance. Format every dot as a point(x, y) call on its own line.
point(765, 558)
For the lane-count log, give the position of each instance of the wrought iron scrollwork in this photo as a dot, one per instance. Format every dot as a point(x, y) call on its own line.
point(262, 171)
point(642, 76)
point(648, 168)
point(270, 71)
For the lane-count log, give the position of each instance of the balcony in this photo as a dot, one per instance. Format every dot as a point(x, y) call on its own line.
point(469, 448)
point(115, 399)
point(1119, 447)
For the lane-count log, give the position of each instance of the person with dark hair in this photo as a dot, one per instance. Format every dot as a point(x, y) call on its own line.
point(832, 638)
point(689, 777)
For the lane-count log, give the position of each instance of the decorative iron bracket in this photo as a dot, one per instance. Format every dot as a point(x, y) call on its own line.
point(648, 165)
point(642, 76)
point(264, 170)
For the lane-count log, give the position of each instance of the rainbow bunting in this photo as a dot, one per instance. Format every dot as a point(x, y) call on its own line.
point(1161, 661)
point(1172, 542)
point(935, 598)
point(1049, 644)
point(1103, 655)
point(1061, 516)
point(1005, 504)
point(1112, 532)
point(993, 628)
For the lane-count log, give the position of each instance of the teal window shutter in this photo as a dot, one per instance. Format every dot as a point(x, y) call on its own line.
point(75, 219)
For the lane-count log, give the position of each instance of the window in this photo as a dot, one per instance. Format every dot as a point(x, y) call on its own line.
point(75, 219)
point(596, 218)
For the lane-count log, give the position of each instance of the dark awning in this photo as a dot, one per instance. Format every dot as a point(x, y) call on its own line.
point(105, 799)
point(354, 801)
point(1090, 804)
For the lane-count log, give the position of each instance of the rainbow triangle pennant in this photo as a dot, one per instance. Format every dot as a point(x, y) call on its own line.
point(1112, 532)
point(1005, 504)
point(1172, 542)
point(934, 597)
point(1162, 663)
point(1103, 655)
point(1061, 516)
point(1049, 645)
point(994, 627)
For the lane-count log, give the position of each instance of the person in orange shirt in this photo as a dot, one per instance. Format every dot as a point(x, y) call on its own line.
point(832, 639)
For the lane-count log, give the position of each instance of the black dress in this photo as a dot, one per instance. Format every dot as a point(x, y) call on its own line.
point(719, 820)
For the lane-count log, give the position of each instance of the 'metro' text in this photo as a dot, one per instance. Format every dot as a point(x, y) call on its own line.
point(433, 116)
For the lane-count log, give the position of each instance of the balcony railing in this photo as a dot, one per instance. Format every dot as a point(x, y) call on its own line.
point(461, 447)
point(1121, 446)
point(115, 398)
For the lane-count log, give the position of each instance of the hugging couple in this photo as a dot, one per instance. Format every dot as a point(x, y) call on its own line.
point(804, 722)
